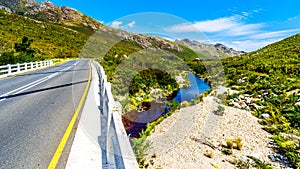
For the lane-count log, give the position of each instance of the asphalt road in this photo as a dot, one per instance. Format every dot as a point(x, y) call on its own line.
point(35, 110)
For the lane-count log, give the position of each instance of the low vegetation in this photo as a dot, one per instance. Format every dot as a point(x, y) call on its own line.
point(46, 39)
point(271, 76)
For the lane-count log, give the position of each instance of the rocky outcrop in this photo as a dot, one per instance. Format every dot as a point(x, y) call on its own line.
point(246, 101)
point(6, 9)
point(217, 51)
point(46, 11)
point(148, 41)
point(227, 50)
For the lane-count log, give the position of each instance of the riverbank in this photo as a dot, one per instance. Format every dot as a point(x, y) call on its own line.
point(201, 132)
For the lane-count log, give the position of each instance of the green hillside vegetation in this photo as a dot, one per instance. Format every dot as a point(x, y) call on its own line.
point(48, 40)
point(272, 72)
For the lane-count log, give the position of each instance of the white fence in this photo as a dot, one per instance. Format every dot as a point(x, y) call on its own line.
point(114, 142)
point(7, 70)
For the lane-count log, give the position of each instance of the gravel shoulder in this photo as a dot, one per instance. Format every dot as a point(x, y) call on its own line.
point(182, 140)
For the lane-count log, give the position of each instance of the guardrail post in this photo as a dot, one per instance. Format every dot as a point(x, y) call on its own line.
point(41, 63)
point(36, 65)
point(25, 66)
point(31, 65)
point(18, 68)
point(9, 69)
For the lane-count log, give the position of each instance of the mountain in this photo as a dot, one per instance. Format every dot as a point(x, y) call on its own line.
point(49, 40)
point(62, 32)
point(48, 12)
point(218, 50)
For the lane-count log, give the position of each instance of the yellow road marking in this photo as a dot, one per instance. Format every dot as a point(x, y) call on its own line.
point(65, 138)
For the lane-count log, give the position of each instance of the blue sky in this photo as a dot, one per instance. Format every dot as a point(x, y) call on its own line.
point(241, 24)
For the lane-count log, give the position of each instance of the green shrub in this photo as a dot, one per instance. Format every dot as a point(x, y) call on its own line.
point(209, 153)
point(229, 143)
point(185, 103)
point(227, 151)
point(140, 146)
point(239, 143)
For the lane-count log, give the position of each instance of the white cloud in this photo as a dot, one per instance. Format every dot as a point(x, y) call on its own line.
point(116, 24)
point(257, 10)
point(251, 45)
point(235, 32)
point(131, 24)
point(231, 26)
point(274, 34)
point(246, 13)
point(244, 29)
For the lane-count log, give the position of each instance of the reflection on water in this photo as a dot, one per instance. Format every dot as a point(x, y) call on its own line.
point(135, 121)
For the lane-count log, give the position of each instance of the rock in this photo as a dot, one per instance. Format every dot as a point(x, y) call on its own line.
point(6, 9)
point(242, 97)
point(248, 100)
point(255, 106)
point(236, 100)
point(290, 136)
point(276, 157)
point(265, 93)
point(243, 104)
point(257, 155)
point(237, 105)
point(265, 115)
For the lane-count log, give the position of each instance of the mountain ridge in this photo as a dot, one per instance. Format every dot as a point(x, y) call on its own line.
point(219, 50)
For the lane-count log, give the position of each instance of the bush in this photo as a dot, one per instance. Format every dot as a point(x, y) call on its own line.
point(227, 151)
point(140, 146)
point(185, 104)
point(229, 143)
point(239, 143)
point(209, 153)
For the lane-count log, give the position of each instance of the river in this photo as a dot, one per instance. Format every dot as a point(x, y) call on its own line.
point(135, 121)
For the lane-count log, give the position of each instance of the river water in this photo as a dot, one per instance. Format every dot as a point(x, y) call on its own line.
point(135, 121)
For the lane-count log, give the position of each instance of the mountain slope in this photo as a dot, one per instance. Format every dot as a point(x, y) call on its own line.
point(49, 40)
point(270, 76)
point(48, 12)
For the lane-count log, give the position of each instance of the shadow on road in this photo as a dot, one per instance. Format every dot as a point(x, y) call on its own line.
point(41, 90)
point(50, 72)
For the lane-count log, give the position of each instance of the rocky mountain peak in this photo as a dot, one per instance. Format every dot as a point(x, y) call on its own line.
point(218, 49)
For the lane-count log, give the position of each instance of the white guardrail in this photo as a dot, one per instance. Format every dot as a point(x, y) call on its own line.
point(8, 70)
point(117, 152)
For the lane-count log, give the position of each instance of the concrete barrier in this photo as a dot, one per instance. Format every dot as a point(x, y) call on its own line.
point(114, 142)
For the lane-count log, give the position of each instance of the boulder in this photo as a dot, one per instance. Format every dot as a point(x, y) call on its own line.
point(235, 104)
point(265, 115)
point(257, 155)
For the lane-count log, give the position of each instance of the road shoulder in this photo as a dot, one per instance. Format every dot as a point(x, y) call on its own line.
point(86, 151)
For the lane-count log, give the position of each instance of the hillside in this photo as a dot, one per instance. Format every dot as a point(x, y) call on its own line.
point(48, 12)
point(49, 40)
point(269, 79)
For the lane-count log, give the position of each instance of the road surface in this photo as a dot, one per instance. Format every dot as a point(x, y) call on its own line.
point(35, 110)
